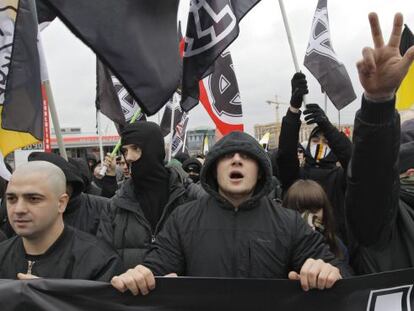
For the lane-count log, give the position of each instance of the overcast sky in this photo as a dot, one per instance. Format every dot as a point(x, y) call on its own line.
point(261, 57)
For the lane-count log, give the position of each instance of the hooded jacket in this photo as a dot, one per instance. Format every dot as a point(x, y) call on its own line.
point(380, 210)
point(211, 238)
point(331, 177)
point(74, 255)
point(85, 173)
point(130, 232)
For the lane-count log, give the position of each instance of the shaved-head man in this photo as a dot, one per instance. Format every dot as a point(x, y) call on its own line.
point(44, 247)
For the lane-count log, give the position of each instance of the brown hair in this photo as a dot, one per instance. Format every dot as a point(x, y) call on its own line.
point(308, 195)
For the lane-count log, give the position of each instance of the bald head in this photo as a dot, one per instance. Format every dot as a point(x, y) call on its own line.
point(44, 172)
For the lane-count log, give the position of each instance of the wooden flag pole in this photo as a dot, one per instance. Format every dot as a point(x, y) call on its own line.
point(55, 120)
point(291, 44)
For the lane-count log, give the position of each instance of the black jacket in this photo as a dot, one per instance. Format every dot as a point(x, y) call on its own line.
point(86, 212)
point(131, 233)
point(331, 177)
point(260, 239)
point(380, 216)
point(75, 255)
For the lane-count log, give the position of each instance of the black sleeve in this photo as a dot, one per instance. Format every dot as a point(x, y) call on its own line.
point(371, 200)
point(109, 186)
point(311, 244)
point(111, 266)
point(287, 158)
point(340, 145)
point(166, 256)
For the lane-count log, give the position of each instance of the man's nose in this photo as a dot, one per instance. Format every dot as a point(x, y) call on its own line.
point(20, 207)
point(236, 157)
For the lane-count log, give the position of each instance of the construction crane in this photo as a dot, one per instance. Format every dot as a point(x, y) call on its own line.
point(277, 104)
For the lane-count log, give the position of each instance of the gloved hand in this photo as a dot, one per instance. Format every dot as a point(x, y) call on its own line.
point(299, 89)
point(314, 114)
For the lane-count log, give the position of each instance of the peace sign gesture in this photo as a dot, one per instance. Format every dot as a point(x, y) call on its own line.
point(383, 68)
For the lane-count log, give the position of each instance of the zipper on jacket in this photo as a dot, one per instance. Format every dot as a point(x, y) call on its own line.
point(30, 265)
point(153, 238)
point(234, 259)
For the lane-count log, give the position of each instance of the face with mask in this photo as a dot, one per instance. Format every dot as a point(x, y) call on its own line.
point(318, 147)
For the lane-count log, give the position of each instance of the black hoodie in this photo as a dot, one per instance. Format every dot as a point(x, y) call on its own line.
point(211, 238)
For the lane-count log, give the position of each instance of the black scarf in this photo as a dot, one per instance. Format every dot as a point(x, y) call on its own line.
point(150, 177)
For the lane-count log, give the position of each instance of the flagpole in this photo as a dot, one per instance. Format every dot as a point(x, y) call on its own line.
point(339, 120)
point(174, 104)
point(185, 139)
point(103, 170)
point(99, 126)
point(289, 36)
point(326, 102)
point(55, 120)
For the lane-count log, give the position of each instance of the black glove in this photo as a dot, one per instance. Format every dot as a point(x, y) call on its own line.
point(314, 114)
point(299, 89)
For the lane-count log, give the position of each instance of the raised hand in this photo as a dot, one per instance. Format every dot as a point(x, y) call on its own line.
point(299, 89)
point(314, 114)
point(383, 68)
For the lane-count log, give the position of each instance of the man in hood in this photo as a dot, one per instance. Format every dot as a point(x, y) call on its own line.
point(44, 246)
point(193, 167)
point(326, 147)
point(144, 202)
point(236, 230)
point(379, 198)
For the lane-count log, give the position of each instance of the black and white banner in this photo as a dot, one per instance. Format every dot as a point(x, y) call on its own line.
point(322, 62)
point(380, 292)
point(212, 26)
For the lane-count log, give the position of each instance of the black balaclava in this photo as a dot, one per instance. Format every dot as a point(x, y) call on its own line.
point(150, 177)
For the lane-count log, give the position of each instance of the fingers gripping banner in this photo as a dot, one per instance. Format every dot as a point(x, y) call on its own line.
point(386, 291)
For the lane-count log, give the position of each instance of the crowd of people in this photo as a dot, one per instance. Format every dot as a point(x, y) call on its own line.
point(335, 209)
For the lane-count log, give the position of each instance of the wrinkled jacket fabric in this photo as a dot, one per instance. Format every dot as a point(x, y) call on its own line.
point(75, 255)
point(380, 216)
point(211, 238)
point(130, 232)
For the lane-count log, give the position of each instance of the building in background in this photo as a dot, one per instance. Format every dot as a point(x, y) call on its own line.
point(195, 139)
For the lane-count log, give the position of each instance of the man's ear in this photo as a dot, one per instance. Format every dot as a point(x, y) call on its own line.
point(63, 202)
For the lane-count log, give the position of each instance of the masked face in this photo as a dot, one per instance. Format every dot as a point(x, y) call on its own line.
point(319, 151)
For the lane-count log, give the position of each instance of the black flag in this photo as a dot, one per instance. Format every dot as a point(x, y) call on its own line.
point(212, 26)
point(20, 81)
point(136, 40)
point(166, 117)
point(322, 62)
point(113, 100)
